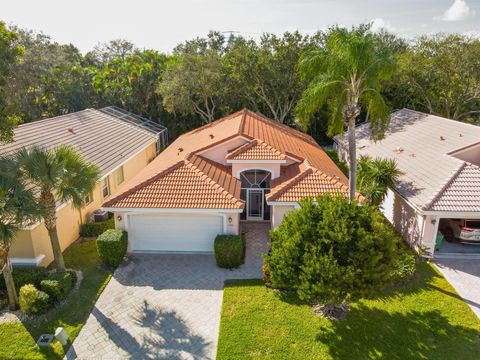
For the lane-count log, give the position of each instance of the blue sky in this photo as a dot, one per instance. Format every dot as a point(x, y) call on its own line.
point(163, 24)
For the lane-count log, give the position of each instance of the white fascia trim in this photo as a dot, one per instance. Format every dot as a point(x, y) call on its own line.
point(453, 214)
point(225, 142)
point(28, 261)
point(171, 210)
point(256, 161)
point(284, 203)
point(126, 160)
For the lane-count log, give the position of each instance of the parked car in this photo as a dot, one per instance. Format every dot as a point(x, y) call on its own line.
point(463, 231)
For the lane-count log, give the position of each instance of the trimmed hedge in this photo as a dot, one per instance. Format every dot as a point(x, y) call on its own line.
point(58, 285)
point(94, 229)
point(229, 251)
point(112, 246)
point(23, 275)
point(32, 300)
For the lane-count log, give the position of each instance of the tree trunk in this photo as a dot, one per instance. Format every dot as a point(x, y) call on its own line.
point(352, 156)
point(11, 291)
point(7, 275)
point(50, 218)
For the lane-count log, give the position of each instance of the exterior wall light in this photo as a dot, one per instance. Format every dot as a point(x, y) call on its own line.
point(119, 218)
point(230, 219)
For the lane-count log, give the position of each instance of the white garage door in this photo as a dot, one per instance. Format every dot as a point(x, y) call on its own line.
point(174, 232)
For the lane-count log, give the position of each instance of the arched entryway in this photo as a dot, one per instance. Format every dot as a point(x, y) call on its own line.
point(255, 185)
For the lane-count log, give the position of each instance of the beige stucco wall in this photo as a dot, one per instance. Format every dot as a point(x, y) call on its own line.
point(219, 152)
point(405, 219)
point(34, 242)
point(277, 213)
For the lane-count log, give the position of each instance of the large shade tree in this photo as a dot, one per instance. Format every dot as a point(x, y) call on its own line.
point(10, 52)
point(59, 174)
point(18, 208)
point(347, 75)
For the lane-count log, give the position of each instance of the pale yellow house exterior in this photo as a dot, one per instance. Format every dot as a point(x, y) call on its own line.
point(135, 148)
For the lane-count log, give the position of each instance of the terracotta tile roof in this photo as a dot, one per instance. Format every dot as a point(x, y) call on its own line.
point(305, 181)
point(266, 137)
point(462, 193)
point(255, 150)
point(183, 185)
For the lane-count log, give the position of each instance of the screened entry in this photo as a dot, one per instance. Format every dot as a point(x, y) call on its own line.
point(255, 185)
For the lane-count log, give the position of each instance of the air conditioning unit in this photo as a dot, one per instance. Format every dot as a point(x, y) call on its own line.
point(100, 215)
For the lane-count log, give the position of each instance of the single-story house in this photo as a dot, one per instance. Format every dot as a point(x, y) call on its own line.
point(244, 167)
point(440, 161)
point(120, 143)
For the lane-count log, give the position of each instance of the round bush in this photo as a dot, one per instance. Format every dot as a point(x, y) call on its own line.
point(229, 251)
point(58, 285)
point(332, 251)
point(112, 246)
point(32, 300)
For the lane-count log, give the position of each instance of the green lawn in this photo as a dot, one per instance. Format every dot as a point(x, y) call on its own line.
point(424, 319)
point(18, 339)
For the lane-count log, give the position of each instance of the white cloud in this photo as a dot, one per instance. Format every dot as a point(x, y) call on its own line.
point(379, 24)
point(457, 12)
point(472, 34)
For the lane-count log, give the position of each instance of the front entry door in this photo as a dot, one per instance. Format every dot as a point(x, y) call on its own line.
point(255, 204)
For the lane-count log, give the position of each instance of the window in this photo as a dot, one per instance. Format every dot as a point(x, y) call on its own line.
point(105, 187)
point(119, 175)
point(88, 199)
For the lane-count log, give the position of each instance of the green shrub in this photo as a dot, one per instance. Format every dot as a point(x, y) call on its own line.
point(332, 251)
point(93, 229)
point(32, 300)
point(112, 246)
point(23, 275)
point(58, 285)
point(405, 265)
point(52, 288)
point(229, 251)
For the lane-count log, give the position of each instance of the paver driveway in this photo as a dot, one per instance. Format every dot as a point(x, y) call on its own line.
point(164, 306)
point(464, 276)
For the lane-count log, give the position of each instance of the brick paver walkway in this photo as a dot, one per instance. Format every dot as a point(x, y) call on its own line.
point(464, 276)
point(164, 306)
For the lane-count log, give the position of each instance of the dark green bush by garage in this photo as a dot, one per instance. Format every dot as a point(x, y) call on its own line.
point(93, 229)
point(112, 246)
point(229, 251)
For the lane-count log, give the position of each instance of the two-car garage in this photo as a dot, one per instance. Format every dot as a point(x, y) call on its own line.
point(173, 232)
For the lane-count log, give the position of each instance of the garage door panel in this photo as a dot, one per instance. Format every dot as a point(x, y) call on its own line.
point(174, 232)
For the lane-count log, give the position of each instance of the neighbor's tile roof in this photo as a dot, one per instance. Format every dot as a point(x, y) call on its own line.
point(266, 136)
point(462, 193)
point(420, 143)
point(255, 150)
point(104, 140)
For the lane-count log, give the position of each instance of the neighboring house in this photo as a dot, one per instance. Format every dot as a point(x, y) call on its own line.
point(244, 167)
point(440, 161)
point(119, 143)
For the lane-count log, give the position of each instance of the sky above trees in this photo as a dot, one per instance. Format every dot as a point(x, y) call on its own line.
point(161, 25)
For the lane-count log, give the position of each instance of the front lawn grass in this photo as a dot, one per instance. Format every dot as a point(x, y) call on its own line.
point(423, 319)
point(18, 339)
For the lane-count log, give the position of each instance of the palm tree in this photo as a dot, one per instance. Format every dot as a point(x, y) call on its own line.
point(376, 176)
point(347, 75)
point(59, 174)
point(17, 207)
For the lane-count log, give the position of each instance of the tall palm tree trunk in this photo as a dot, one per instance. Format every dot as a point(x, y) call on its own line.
point(50, 218)
point(352, 155)
point(7, 276)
